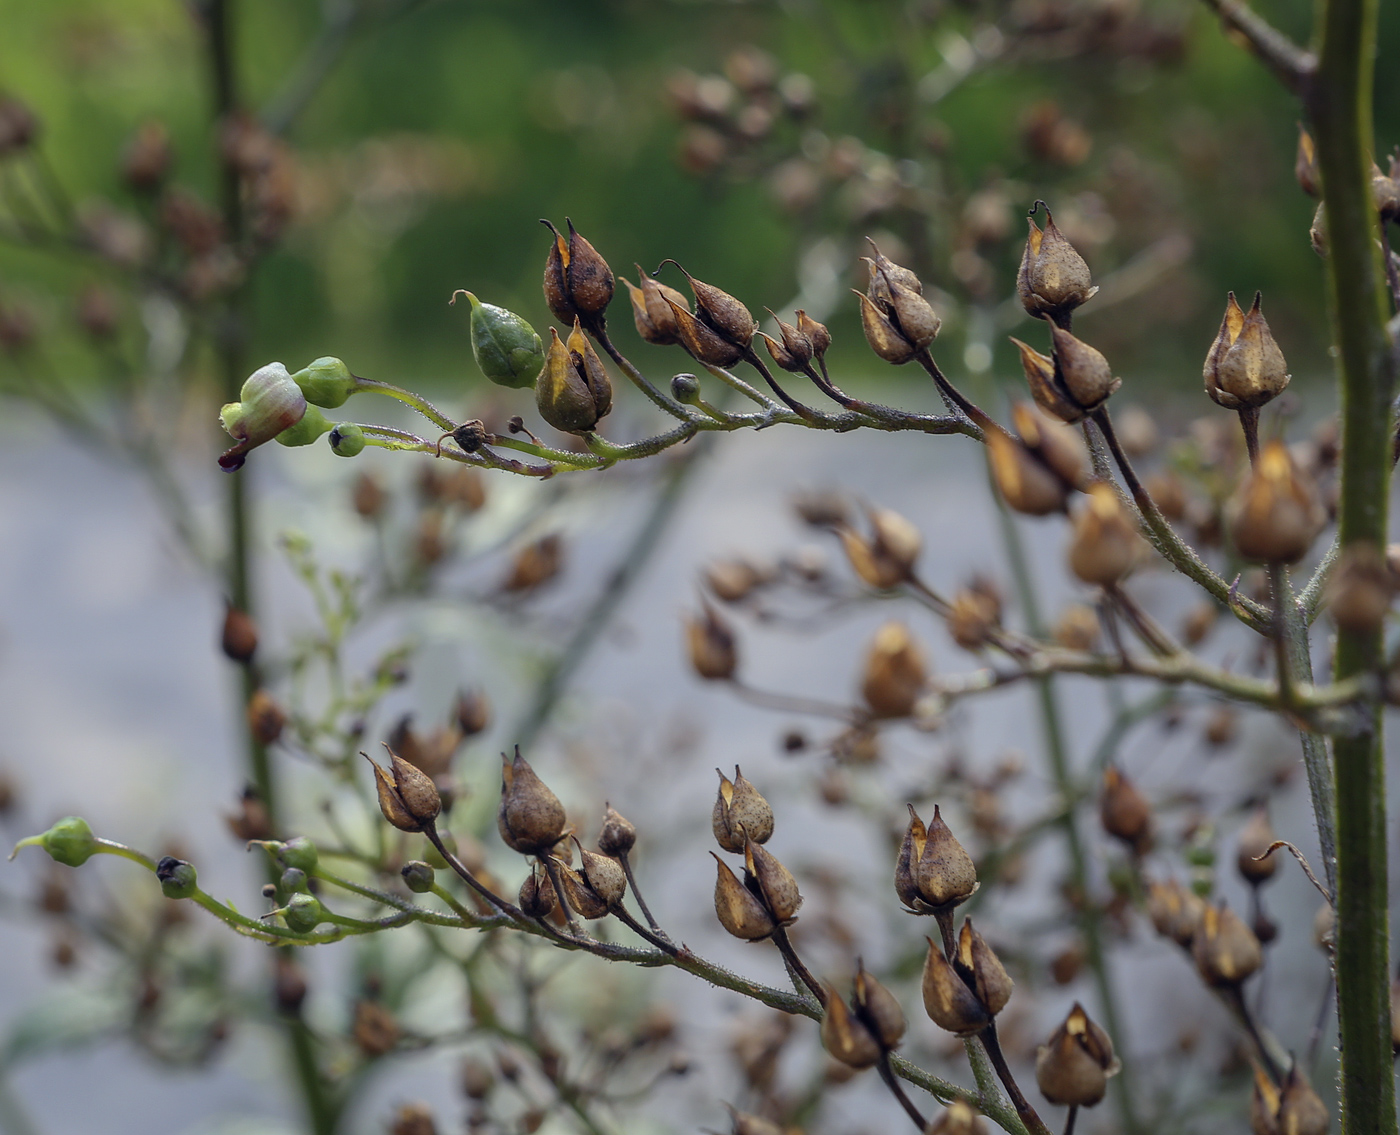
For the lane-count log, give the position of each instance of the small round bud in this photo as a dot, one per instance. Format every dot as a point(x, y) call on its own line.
point(70, 842)
point(685, 388)
point(619, 834)
point(177, 878)
point(1074, 1067)
point(326, 382)
point(470, 436)
point(347, 440)
point(418, 876)
point(300, 853)
point(239, 640)
point(313, 425)
point(303, 913)
point(294, 881)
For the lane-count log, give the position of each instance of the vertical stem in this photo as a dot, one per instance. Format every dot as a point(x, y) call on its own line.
point(1339, 99)
point(887, 1074)
point(1034, 1124)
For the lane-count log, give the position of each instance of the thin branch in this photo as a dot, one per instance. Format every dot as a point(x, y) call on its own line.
point(1292, 66)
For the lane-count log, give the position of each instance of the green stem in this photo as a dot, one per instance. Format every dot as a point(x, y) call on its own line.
point(1338, 100)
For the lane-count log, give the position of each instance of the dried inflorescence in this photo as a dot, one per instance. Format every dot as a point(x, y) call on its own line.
point(933, 871)
point(1073, 1068)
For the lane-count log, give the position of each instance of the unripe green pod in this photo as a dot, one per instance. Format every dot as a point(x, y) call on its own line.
point(506, 348)
point(312, 425)
point(178, 879)
point(326, 382)
point(418, 876)
point(300, 853)
point(303, 913)
point(70, 842)
point(293, 881)
point(685, 388)
point(347, 440)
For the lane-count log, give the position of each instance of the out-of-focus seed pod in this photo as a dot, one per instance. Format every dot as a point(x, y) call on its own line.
point(732, 580)
point(1276, 513)
point(408, 798)
point(933, 870)
point(1256, 837)
point(268, 403)
point(368, 496)
point(713, 649)
point(413, 1119)
point(895, 672)
point(656, 322)
point(979, 964)
point(178, 879)
point(1385, 195)
point(823, 508)
point(1360, 590)
point(1325, 928)
point(950, 1004)
point(374, 1030)
point(845, 1036)
point(739, 911)
point(776, 886)
point(1225, 950)
point(1074, 1067)
point(289, 983)
point(619, 834)
point(1025, 483)
point(1105, 546)
point(577, 280)
point(535, 564)
point(1199, 622)
point(1053, 279)
point(1305, 164)
point(98, 313)
point(18, 126)
point(530, 818)
point(472, 712)
point(1175, 911)
point(1125, 812)
point(1395, 1016)
point(1077, 628)
point(476, 1078)
point(239, 639)
point(973, 619)
point(958, 1118)
point(1291, 1108)
point(147, 157)
point(1244, 367)
point(537, 898)
point(740, 812)
point(251, 820)
point(742, 1123)
point(574, 392)
point(878, 1009)
point(266, 718)
point(1222, 727)
point(1054, 444)
point(888, 557)
point(507, 349)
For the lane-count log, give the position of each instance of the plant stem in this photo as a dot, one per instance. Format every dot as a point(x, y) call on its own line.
point(1034, 1124)
point(905, 1102)
point(1339, 101)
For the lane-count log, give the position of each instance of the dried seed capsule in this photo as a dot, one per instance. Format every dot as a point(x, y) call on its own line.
point(1256, 837)
point(1052, 443)
point(933, 869)
point(1360, 590)
point(1025, 483)
point(656, 322)
point(1125, 812)
point(703, 343)
point(1244, 367)
point(776, 886)
point(739, 911)
point(266, 718)
point(958, 1118)
point(408, 798)
point(240, 635)
point(950, 1004)
point(530, 818)
point(1276, 514)
point(816, 333)
point(1081, 372)
point(1225, 950)
point(884, 337)
point(845, 1036)
point(972, 619)
point(979, 964)
point(740, 812)
point(1074, 1068)
point(895, 672)
point(1053, 279)
point(537, 898)
point(794, 352)
point(580, 895)
point(1077, 628)
point(878, 1009)
point(713, 651)
point(573, 392)
point(507, 349)
point(721, 313)
point(1292, 1108)
point(577, 280)
point(619, 834)
point(887, 559)
point(603, 874)
point(1106, 545)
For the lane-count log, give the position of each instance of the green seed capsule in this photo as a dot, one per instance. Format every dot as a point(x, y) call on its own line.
point(507, 349)
point(326, 382)
point(293, 881)
point(347, 440)
point(178, 879)
point(70, 842)
point(303, 913)
point(418, 876)
point(312, 425)
point(299, 852)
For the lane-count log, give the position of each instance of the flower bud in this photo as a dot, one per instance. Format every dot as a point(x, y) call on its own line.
point(1292, 1108)
point(980, 965)
point(950, 1004)
point(1053, 279)
point(408, 798)
point(239, 640)
point(418, 876)
point(1360, 590)
point(656, 322)
point(1025, 483)
point(878, 1009)
point(1175, 911)
point(294, 880)
point(300, 853)
point(577, 281)
point(269, 402)
point(347, 440)
point(1244, 367)
point(619, 834)
point(933, 869)
point(685, 388)
point(530, 818)
point(574, 391)
point(1106, 545)
point(326, 382)
point(70, 842)
point(713, 651)
point(1256, 838)
point(1276, 513)
point(1125, 812)
point(887, 559)
point(740, 812)
point(895, 672)
point(739, 911)
point(178, 879)
point(958, 1118)
point(845, 1036)
point(312, 426)
point(776, 886)
point(303, 913)
point(1225, 950)
point(506, 348)
point(1074, 1068)
point(537, 898)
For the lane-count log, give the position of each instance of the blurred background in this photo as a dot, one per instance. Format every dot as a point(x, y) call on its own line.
point(189, 190)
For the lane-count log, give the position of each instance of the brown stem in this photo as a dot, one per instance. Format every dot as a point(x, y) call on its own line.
point(555, 881)
point(1234, 997)
point(1156, 638)
point(944, 917)
point(1034, 1124)
point(804, 412)
point(1070, 1118)
point(1290, 63)
point(660, 941)
point(471, 880)
point(887, 1074)
point(1249, 423)
point(784, 944)
point(626, 862)
point(974, 413)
